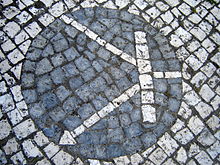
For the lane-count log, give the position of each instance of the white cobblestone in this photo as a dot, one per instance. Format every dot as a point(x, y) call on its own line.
point(18, 158)
point(3, 87)
point(185, 9)
point(24, 129)
point(43, 162)
point(204, 109)
point(136, 159)
point(11, 146)
point(193, 45)
point(51, 150)
point(5, 129)
point(191, 98)
point(175, 41)
point(15, 116)
point(206, 93)
point(6, 2)
point(146, 81)
point(15, 56)
point(185, 111)
point(214, 123)
point(198, 33)
point(122, 160)
point(147, 97)
point(6, 102)
point(41, 139)
point(184, 136)
point(193, 150)
point(215, 102)
point(133, 10)
point(10, 82)
point(8, 45)
point(46, 19)
point(24, 46)
point(195, 125)
point(162, 6)
point(11, 28)
point(177, 126)
point(153, 12)
point(23, 17)
point(208, 45)
point(67, 139)
point(22, 108)
point(110, 5)
point(122, 3)
point(63, 157)
point(181, 156)
point(21, 37)
point(206, 138)
point(168, 144)
point(208, 69)
point(33, 29)
point(10, 12)
point(214, 150)
point(158, 156)
point(198, 79)
point(203, 158)
point(30, 149)
point(149, 113)
point(183, 34)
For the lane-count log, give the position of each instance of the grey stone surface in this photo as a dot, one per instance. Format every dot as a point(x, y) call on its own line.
point(70, 70)
point(71, 104)
point(75, 77)
point(71, 122)
point(58, 60)
point(57, 76)
point(115, 135)
point(75, 82)
point(49, 100)
point(44, 66)
point(82, 63)
point(86, 111)
point(133, 130)
point(27, 79)
point(99, 102)
point(30, 96)
point(57, 114)
point(71, 54)
point(62, 93)
point(88, 74)
point(44, 83)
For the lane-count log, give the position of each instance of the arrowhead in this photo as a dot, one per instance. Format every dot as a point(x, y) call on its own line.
point(67, 139)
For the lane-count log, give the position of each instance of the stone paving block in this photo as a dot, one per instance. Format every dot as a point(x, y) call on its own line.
point(98, 58)
point(30, 149)
point(18, 158)
point(22, 131)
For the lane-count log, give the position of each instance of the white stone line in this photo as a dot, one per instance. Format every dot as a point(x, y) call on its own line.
point(145, 78)
point(68, 137)
point(174, 74)
point(99, 40)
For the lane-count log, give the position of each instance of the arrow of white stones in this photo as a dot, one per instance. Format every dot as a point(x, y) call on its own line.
point(145, 78)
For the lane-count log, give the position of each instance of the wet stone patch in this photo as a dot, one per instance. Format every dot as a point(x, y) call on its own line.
point(67, 77)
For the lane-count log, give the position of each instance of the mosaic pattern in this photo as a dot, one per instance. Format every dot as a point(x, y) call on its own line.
point(191, 28)
point(69, 78)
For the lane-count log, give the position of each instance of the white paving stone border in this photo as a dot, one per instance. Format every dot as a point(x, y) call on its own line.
point(154, 153)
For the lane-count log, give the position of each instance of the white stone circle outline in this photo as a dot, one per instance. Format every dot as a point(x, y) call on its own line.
point(62, 16)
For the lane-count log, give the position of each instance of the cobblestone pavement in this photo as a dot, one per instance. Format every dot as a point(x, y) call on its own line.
point(109, 82)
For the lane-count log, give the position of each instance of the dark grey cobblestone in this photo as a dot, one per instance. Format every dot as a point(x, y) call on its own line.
point(73, 77)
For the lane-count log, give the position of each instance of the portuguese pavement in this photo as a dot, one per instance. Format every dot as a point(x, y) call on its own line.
point(109, 82)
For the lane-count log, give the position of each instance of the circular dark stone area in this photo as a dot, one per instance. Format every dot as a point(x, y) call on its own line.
point(67, 77)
